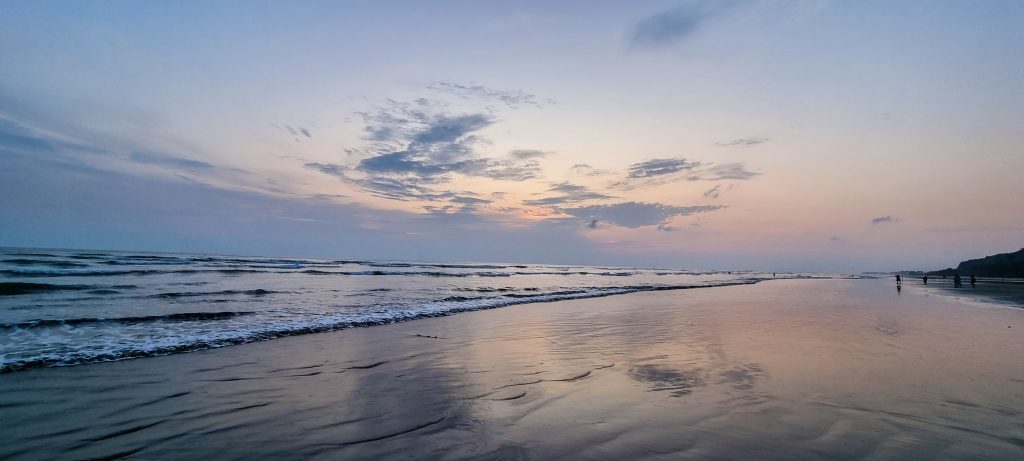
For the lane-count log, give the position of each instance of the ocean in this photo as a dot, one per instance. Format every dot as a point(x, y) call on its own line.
point(67, 307)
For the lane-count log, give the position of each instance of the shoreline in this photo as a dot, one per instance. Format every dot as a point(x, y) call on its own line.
point(812, 369)
point(467, 306)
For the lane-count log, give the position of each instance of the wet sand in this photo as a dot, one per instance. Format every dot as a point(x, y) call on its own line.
point(794, 369)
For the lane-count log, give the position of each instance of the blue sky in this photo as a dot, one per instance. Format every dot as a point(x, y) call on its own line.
point(776, 135)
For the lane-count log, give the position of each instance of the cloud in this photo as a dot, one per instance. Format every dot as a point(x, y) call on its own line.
point(507, 171)
point(725, 171)
point(295, 132)
point(663, 171)
point(327, 197)
point(672, 26)
point(18, 138)
point(882, 220)
point(156, 158)
point(328, 168)
point(526, 154)
point(713, 192)
point(445, 129)
point(96, 208)
point(403, 162)
point(112, 154)
point(667, 228)
point(835, 238)
point(635, 214)
point(658, 167)
point(570, 193)
point(587, 170)
point(472, 201)
point(400, 188)
point(394, 188)
point(743, 142)
point(510, 98)
point(411, 147)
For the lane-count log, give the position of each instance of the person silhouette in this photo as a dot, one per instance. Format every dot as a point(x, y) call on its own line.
point(899, 280)
point(973, 281)
point(956, 280)
point(925, 278)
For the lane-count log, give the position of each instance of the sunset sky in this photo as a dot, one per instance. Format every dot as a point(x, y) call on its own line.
point(773, 135)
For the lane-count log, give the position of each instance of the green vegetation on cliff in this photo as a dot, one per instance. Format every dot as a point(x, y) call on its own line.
point(1001, 265)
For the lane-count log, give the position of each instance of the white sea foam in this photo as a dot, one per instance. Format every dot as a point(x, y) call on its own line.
point(132, 305)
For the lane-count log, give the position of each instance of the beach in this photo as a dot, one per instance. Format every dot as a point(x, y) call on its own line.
point(788, 369)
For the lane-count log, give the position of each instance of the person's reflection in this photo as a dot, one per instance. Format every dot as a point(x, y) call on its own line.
point(899, 289)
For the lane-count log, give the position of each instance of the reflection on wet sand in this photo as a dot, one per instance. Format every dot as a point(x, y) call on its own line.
point(780, 370)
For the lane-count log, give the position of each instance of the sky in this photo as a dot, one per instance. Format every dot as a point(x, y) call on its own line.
point(778, 135)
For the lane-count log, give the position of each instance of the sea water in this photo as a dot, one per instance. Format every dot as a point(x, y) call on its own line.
point(64, 307)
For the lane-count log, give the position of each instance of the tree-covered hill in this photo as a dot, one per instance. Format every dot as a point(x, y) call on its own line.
point(1001, 265)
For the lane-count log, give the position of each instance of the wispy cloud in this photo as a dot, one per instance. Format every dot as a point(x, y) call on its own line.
point(15, 137)
point(171, 161)
point(587, 170)
point(295, 132)
point(526, 154)
point(882, 220)
point(512, 99)
point(743, 142)
point(635, 214)
point(658, 167)
point(713, 192)
point(568, 193)
point(672, 26)
point(21, 138)
point(332, 169)
point(737, 171)
point(663, 171)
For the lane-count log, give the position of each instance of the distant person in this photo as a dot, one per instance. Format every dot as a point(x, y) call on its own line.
point(973, 281)
point(925, 278)
point(899, 280)
point(956, 280)
point(773, 275)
